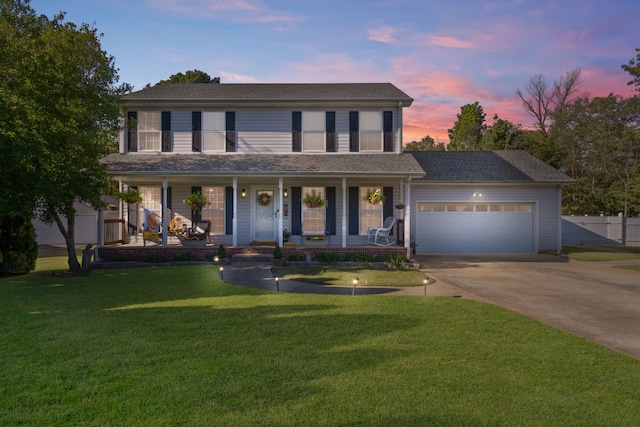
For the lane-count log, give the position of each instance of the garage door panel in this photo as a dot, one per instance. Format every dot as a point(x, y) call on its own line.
point(474, 231)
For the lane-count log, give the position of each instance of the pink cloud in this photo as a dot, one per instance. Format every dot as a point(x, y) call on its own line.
point(384, 34)
point(448, 41)
point(237, 10)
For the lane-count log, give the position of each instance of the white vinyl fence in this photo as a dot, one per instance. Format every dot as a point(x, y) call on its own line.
point(600, 230)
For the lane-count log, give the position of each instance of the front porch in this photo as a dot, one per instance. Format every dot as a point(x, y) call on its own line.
point(139, 252)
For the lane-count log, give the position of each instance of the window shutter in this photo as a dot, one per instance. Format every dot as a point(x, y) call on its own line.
point(168, 201)
point(132, 131)
point(296, 210)
point(196, 131)
point(354, 128)
point(230, 131)
point(196, 216)
point(387, 129)
point(296, 132)
point(228, 210)
point(330, 216)
point(166, 131)
point(331, 132)
point(354, 211)
point(387, 207)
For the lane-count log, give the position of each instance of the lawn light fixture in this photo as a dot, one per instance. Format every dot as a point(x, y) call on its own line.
point(425, 282)
point(286, 193)
point(477, 195)
point(355, 283)
point(244, 193)
point(220, 272)
point(277, 279)
point(216, 259)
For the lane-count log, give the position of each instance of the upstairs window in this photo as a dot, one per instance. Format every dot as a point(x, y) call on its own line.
point(149, 131)
point(370, 131)
point(313, 127)
point(213, 131)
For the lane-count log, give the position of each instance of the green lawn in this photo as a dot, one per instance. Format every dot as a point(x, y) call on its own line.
point(601, 253)
point(174, 346)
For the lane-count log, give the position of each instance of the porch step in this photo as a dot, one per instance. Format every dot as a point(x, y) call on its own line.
point(251, 258)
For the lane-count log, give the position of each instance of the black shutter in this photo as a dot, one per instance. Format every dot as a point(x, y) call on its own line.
point(228, 210)
point(196, 128)
point(354, 211)
point(132, 131)
point(230, 131)
point(168, 201)
point(196, 216)
point(296, 132)
point(387, 129)
point(387, 207)
point(354, 129)
point(296, 210)
point(331, 131)
point(166, 131)
point(330, 216)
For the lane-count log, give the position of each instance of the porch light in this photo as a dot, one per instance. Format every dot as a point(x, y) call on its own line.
point(244, 193)
point(477, 195)
point(286, 193)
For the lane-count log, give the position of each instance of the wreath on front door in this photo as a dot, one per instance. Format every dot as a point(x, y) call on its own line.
point(264, 199)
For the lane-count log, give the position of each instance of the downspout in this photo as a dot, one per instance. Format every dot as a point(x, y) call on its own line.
point(559, 234)
point(407, 218)
point(279, 212)
point(400, 127)
point(234, 219)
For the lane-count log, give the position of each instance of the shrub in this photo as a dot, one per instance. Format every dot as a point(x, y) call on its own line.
point(277, 252)
point(222, 252)
point(152, 258)
point(183, 257)
point(17, 244)
point(327, 257)
point(357, 257)
point(296, 257)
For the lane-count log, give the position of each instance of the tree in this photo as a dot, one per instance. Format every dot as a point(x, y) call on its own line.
point(466, 133)
point(542, 99)
point(633, 68)
point(191, 76)
point(502, 135)
point(425, 144)
point(60, 115)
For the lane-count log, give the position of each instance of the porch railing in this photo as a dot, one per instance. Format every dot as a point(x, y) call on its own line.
point(113, 231)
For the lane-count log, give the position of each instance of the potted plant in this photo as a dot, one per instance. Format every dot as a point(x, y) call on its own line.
point(375, 196)
point(313, 200)
point(196, 201)
point(285, 235)
point(277, 256)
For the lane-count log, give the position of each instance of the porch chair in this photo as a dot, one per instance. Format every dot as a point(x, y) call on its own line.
point(201, 229)
point(380, 235)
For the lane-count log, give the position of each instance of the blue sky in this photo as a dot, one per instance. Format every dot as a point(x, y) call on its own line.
point(444, 54)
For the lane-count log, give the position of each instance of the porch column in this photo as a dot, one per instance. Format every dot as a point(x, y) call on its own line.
point(165, 223)
point(279, 212)
point(344, 212)
point(234, 219)
point(407, 217)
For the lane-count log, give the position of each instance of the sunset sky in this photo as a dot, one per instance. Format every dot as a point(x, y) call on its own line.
point(444, 54)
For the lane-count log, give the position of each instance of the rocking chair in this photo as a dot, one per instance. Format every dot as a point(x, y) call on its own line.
point(380, 235)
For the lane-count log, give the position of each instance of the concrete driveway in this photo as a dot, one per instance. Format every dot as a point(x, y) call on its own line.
point(593, 300)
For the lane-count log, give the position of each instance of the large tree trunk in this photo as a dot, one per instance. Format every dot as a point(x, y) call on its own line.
point(69, 237)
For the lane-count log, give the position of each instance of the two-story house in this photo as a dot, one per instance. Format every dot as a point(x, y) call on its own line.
point(256, 151)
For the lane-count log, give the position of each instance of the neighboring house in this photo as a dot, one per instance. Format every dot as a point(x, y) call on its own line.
point(257, 150)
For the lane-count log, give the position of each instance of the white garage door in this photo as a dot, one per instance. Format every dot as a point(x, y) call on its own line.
point(474, 227)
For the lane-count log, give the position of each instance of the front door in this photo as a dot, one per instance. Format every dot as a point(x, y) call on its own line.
point(264, 213)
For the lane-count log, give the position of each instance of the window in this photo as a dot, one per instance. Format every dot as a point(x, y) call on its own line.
point(496, 208)
point(424, 207)
point(313, 127)
point(438, 207)
point(313, 218)
point(370, 130)
point(149, 127)
point(524, 207)
point(467, 207)
point(370, 215)
point(213, 131)
point(152, 200)
point(214, 211)
point(481, 208)
point(453, 208)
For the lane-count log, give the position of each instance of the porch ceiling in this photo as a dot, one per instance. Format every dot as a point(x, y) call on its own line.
point(254, 165)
